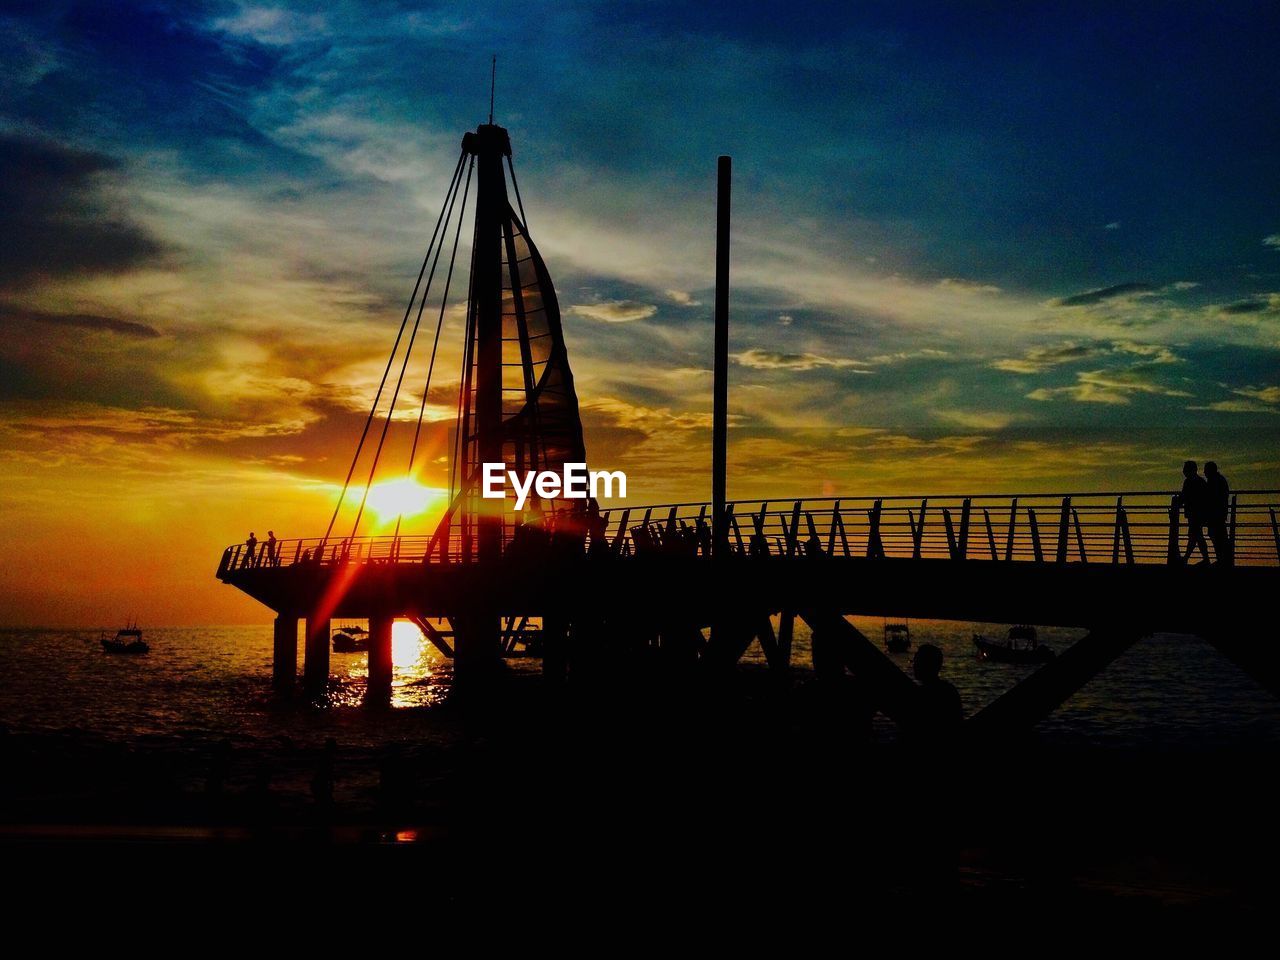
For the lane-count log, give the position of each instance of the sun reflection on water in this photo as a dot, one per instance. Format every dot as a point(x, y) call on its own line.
point(419, 677)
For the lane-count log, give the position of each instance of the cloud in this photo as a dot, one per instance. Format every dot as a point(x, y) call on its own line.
point(967, 286)
point(1256, 400)
point(615, 311)
point(272, 25)
point(1244, 307)
point(160, 427)
point(758, 359)
point(978, 419)
point(1113, 225)
point(59, 217)
point(1272, 241)
point(924, 353)
point(1090, 297)
point(1237, 406)
point(81, 321)
point(1265, 394)
point(683, 298)
point(1113, 387)
point(1040, 359)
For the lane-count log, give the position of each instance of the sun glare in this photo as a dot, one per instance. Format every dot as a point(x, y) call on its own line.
point(406, 644)
point(402, 498)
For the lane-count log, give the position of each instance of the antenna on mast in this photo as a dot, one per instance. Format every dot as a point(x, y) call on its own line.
point(493, 80)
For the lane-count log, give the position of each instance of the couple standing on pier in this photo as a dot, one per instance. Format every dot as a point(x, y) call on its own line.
point(1206, 501)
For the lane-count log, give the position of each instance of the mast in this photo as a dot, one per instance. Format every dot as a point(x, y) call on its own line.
point(489, 145)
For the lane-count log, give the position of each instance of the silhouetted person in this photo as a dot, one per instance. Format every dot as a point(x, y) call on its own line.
point(273, 545)
point(1195, 495)
point(938, 709)
point(250, 549)
point(598, 545)
point(1217, 506)
point(813, 547)
point(529, 539)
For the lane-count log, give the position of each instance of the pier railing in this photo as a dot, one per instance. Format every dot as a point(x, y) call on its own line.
point(1120, 528)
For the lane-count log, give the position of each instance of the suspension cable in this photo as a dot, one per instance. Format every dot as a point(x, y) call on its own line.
point(409, 349)
point(452, 191)
point(444, 300)
point(459, 434)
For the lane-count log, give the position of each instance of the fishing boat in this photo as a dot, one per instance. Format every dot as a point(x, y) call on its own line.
point(127, 640)
point(1021, 645)
point(897, 637)
point(350, 639)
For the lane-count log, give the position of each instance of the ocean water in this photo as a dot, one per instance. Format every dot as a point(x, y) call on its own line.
point(1168, 692)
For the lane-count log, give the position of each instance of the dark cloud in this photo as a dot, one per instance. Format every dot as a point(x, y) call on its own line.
point(57, 219)
point(1245, 306)
point(15, 319)
point(1091, 297)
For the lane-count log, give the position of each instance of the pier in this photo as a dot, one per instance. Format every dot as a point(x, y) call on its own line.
point(699, 583)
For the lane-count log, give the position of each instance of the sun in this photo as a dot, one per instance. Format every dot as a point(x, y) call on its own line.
point(402, 498)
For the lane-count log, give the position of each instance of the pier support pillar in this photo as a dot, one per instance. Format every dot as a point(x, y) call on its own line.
point(315, 663)
point(477, 657)
point(379, 690)
point(284, 653)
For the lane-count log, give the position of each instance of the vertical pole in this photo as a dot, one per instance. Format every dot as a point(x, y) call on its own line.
point(315, 657)
point(284, 652)
point(720, 389)
point(491, 203)
point(379, 689)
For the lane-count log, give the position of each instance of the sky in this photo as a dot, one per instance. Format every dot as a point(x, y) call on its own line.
point(978, 247)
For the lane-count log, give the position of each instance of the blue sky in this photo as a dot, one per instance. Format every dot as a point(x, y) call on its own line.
point(977, 245)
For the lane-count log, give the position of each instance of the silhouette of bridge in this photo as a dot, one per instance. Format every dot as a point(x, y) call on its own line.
point(700, 582)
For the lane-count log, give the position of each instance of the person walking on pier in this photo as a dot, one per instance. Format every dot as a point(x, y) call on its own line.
point(1218, 504)
point(250, 550)
point(1195, 495)
point(273, 549)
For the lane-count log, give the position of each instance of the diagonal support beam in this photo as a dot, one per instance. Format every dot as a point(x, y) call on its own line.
point(1261, 661)
point(1049, 687)
point(778, 661)
point(432, 634)
point(894, 691)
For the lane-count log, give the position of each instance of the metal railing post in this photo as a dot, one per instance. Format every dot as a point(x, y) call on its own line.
point(1063, 520)
point(1175, 552)
point(1013, 523)
point(1115, 538)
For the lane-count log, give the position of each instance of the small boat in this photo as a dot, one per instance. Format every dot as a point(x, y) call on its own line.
point(1020, 646)
point(350, 639)
point(128, 640)
point(897, 637)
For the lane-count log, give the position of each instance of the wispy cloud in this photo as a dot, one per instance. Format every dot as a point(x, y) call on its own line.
point(760, 359)
point(1090, 297)
point(615, 311)
point(1040, 359)
point(1115, 387)
point(79, 321)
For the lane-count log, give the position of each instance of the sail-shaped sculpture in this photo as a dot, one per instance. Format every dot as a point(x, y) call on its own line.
point(518, 404)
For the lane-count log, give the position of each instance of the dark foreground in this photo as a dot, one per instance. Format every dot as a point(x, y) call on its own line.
point(739, 797)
